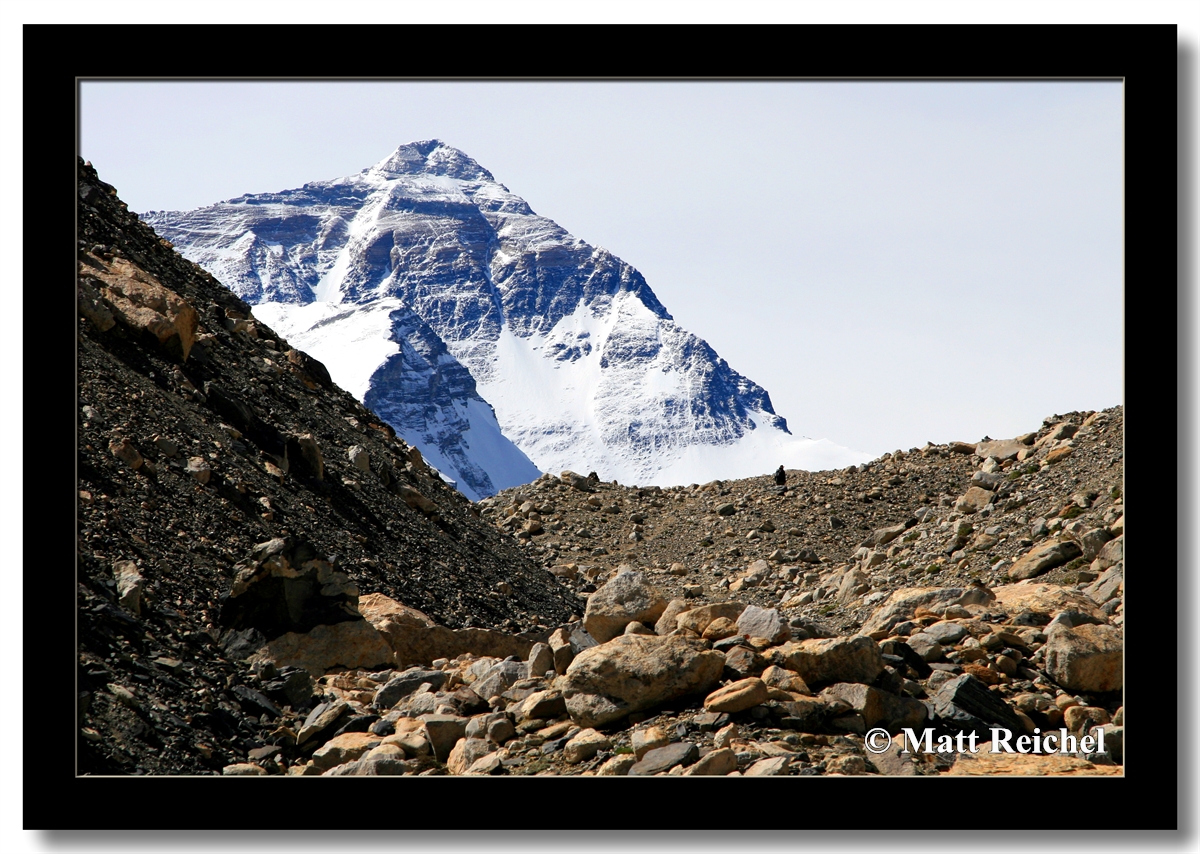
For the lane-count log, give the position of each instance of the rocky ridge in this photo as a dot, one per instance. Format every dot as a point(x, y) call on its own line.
point(270, 583)
point(201, 435)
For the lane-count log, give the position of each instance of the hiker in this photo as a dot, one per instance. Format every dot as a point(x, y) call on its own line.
point(780, 477)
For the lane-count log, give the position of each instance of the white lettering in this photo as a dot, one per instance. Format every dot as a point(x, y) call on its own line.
point(1000, 739)
point(923, 743)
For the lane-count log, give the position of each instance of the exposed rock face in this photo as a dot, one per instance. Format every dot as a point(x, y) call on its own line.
point(117, 289)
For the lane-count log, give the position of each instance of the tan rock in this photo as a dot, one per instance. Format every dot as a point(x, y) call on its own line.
point(351, 644)
point(586, 744)
point(773, 766)
point(138, 300)
point(1001, 449)
point(635, 672)
point(628, 597)
point(716, 763)
point(766, 623)
point(987, 764)
point(1059, 454)
point(726, 736)
point(893, 761)
point(1078, 719)
point(199, 469)
point(823, 661)
point(902, 604)
point(417, 639)
point(1043, 558)
point(737, 696)
point(975, 499)
point(779, 677)
point(1086, 658)
point(698, 619)
point(645, 740)
point(1043, 598)
point(416, 500)
point(719, 629)
point(124, 450)
point(244, 769)
point(465, 753)
point(1112, 553)
point(129, 585)
point(617, 766)
point(667, 622)
point(346, 747)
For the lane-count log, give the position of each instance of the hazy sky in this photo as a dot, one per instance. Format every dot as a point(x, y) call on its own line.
point(894, 262)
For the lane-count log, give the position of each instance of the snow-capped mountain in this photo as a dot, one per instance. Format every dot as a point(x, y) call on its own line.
point(487, 335)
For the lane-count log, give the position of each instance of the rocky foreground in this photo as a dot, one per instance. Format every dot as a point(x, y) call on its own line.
point(755, 629)
point(270, 582)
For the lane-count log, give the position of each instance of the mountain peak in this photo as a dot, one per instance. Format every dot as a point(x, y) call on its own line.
point(430, 157)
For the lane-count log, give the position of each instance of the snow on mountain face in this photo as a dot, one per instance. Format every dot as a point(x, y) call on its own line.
point(430, 291)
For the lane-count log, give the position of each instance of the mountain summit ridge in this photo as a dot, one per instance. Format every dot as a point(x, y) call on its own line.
point(575, 361)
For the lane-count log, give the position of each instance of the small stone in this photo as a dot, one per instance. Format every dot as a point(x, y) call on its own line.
point(199, 469)
point(360, 458)
point(725, 736)
point(586, 744)
point(617, 766)
point(130, 584)
point(737, 696)
point(465, 753)
point(126, 453)
point(719, 629)
point(773, 766)
point(848, 765)
point(244, 769)
point(645, 740)
point(1059, 454)
point(665, 758)
point(716, 763)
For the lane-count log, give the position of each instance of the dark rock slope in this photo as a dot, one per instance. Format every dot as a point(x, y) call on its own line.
point(201, 434)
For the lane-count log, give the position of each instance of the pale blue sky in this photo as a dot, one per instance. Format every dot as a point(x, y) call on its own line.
point(893, 262)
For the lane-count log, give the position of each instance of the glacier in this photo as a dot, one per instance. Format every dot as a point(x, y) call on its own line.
point(489, 337)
